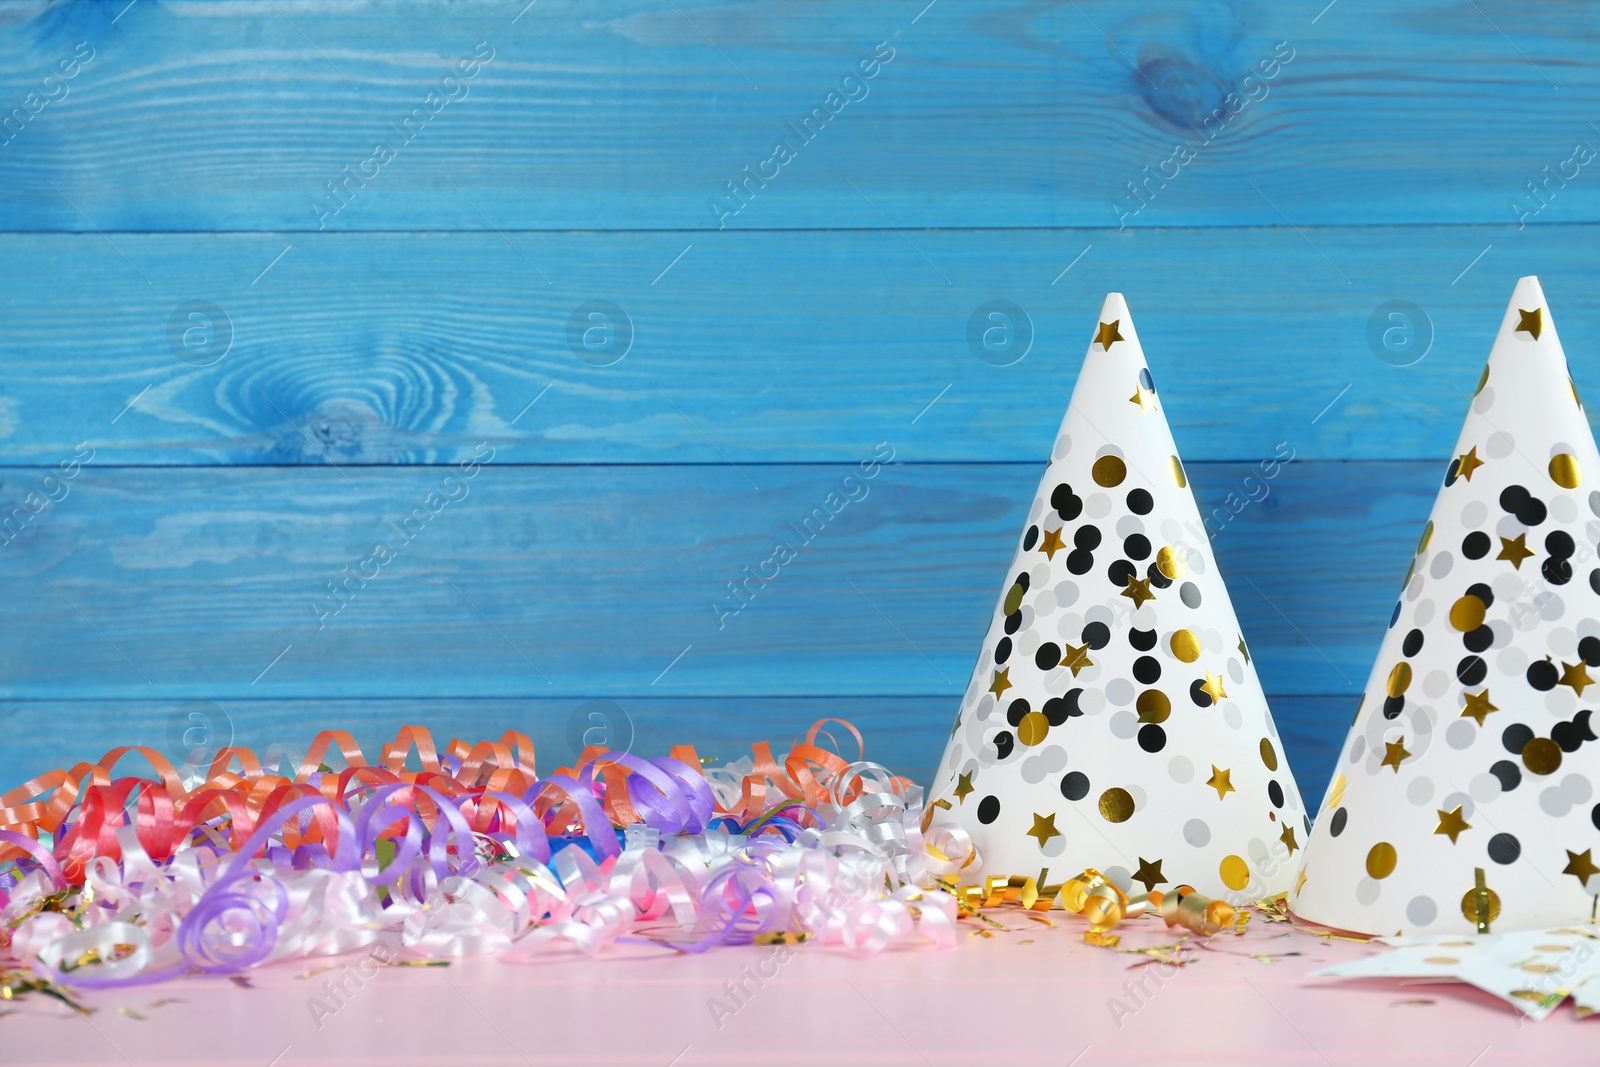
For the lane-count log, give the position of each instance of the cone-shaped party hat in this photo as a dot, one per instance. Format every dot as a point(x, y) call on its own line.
point(1114, 719)
point(1465, 789)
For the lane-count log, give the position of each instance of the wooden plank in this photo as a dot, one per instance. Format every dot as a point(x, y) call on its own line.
point(413, 348)
point(207, 116)
point(905, 734)
point(580, 581)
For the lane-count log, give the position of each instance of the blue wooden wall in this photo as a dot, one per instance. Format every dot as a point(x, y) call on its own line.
point(393, 220)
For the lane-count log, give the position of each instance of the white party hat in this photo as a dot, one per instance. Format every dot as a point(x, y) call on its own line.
point(1114, 719)
point(1465, 787)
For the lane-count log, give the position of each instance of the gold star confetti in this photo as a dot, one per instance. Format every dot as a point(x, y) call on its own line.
point(963, 787)
point(1141, 396)
point(1530, 322)
point(1044, 828)
point(1213, 687)
point(1149, 873)
point(1108, 333)
point(1219, 781)
point(1243, 651)
point(1138, 590)
point(1478, 706)
point(1451, 823)
point(1468, 462)
point(1515, 549)
point(1002, 682)
point(1287, 837)
point(1076, 657)
point(1579, 865)
point(1051, 543)
point(1575, 675)
point(1394, 754)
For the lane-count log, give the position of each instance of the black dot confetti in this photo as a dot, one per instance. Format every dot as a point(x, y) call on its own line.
point(1004, 743)
point(1542, 675)
point(1504, 848)
point(1516, 738)
point(1509, 773)
point(1067, 503)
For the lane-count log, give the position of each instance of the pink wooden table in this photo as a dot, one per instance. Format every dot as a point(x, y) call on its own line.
point(1035, 996)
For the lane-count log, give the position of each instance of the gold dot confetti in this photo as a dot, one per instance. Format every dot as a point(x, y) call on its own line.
point(1109, 471)
point(1116, 805)
point(1033, 729)
point(1381, 860)
point(1169, 561)
point(1552, 948)
point(1268, 755)
point(1469, 905)
point(1400, 677)
point(1427, 535)
point(1177, 473)
point(1184, 644)
point(1540, 968)
point(1235, 872)
point(1565, 472)
point(1541, 756)
point(1467, 613)
point(1441, 961)
point(1153, 706)
point(1014, 596)
point(1483, 380)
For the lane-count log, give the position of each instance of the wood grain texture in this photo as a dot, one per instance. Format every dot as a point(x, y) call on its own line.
point(905, 734)
point(413, 348)
point(221, 116)
point(590, 581)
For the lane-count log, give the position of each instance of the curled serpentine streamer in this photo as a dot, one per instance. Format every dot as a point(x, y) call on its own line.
point(113, 881)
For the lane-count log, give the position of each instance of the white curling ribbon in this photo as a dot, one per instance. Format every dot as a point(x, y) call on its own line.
point(105, 942)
